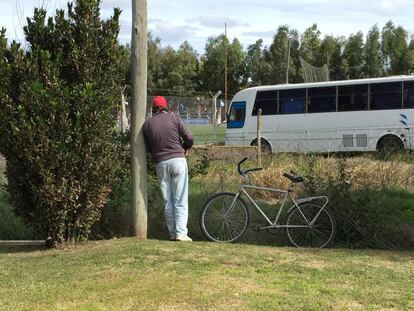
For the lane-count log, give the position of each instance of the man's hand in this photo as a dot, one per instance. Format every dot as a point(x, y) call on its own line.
point(186, 152)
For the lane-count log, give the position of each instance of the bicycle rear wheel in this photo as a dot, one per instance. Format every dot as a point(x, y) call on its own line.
point(222, 221)
point(318, 235)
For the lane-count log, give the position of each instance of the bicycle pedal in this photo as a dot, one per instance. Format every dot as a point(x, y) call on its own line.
point(273, 230)
point(256, 228)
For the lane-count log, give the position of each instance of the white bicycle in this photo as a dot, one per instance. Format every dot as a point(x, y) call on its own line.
point(225, 217)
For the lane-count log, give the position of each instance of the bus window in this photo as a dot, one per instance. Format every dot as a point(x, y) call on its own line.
point(385, 96)
point(322, 99)
point(267, 101)
point(237, 115)
point(292, 101)
point(409, 94)
point(353, 97)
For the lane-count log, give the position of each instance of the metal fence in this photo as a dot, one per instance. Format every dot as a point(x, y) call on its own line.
point(197, 112)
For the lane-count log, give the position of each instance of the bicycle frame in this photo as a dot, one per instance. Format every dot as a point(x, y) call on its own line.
point(275, 224)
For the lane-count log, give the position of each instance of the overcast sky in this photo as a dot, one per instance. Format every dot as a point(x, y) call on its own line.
point(177, 20)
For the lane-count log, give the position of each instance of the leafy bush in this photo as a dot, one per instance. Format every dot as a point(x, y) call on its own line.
point(58, 106)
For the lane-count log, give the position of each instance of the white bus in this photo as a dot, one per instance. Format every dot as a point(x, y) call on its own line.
point(351, 115)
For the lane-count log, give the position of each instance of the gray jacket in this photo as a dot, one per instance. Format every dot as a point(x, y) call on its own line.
point(166, 136)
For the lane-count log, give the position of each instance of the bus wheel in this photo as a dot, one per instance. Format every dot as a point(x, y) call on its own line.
point(264, 144)
point(390, 144)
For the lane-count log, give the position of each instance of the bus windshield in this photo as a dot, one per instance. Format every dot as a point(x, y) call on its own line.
point(236, 115)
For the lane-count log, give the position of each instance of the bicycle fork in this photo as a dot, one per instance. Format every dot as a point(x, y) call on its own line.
point(232, 205)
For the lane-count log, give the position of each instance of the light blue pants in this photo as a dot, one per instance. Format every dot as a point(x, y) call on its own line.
point(173, 177)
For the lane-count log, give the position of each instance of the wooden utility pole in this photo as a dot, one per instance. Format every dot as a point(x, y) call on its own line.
point(139, 48)
point(225, 71)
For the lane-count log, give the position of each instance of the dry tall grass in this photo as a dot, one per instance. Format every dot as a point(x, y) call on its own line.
point(361, 172)
point(368, 194)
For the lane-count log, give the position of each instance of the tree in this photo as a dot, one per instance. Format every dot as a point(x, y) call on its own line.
point(257, 68)
point(395, 49)
point(353, 54)
point(386, 45)
point(212, 65)
point(310, 46)
point(236, 66)
point(295, 70)
point(187, 65)
point(411, 55)
point(330, 54)
point(154, 59)
point(327, 49)
point(58, 107)
point(178, 70)
point(277, 56)
point(337, 65)
point(373, 66)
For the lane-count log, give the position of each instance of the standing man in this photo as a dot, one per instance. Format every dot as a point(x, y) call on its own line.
point(168, 140)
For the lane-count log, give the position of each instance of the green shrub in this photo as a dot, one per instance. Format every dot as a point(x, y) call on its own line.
point(58, 106)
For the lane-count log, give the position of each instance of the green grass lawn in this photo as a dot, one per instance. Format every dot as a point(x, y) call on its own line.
point(204, 134)
point(127, 274)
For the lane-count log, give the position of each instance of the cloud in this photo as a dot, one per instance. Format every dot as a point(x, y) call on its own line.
point(387, 7)
point(218, 22)
point(295, 7)
point(110, 4)
point(172, 34)
point(259, 34)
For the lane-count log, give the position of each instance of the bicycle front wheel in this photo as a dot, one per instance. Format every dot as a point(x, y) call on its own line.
point(224, 218)
point(300, 230)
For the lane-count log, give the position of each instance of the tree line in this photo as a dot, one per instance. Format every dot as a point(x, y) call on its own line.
point(183, 72)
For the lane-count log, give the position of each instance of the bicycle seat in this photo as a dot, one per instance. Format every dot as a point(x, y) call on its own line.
point(293, 178)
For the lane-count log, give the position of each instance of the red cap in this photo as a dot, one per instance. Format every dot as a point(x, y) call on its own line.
point(159, 102)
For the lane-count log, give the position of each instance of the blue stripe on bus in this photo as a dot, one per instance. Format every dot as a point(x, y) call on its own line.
point(235, 124)
point(403, 119)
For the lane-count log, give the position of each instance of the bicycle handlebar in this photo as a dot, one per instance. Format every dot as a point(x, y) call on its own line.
point(244, 172)
point(293, 177)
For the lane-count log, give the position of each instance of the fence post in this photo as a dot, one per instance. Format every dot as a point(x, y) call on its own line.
point(214, 114)
point(259, 138)
point(124, 120)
